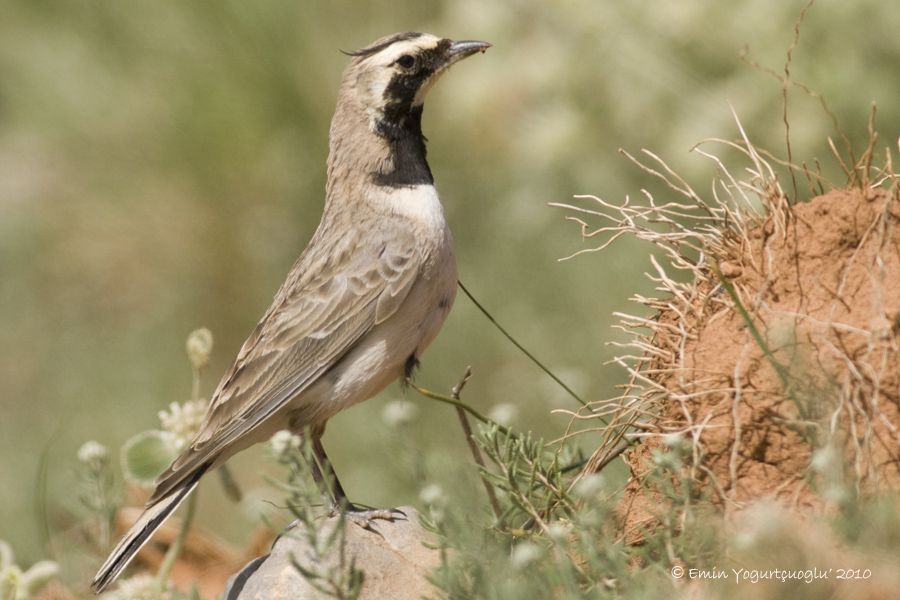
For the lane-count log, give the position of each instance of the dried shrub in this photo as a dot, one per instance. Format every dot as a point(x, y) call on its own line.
point(772, 349)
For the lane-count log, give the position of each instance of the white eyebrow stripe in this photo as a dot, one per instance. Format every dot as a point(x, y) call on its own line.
point(398, 49)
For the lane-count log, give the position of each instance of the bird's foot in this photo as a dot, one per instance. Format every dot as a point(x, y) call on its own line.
point(364, 516)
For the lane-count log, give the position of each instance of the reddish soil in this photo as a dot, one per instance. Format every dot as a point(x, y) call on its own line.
point(824, 293)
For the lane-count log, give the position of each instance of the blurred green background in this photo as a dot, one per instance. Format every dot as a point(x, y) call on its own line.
point(162, 165)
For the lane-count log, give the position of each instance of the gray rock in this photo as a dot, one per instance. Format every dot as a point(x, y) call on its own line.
point(392, 557)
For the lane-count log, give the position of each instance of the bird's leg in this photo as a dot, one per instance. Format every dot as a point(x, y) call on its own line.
point(332, 485)
point(321, 482)
point(334, 495)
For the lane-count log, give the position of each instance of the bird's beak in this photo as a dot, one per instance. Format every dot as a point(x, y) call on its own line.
point(453, 53)
point(463, 48)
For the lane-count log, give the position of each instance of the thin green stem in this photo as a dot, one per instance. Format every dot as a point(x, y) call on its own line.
point(41, 504)
point(751, 326)
point(175, 549)
point(520, 346)
point(104, 513)
point(460, 404)
point(195, 384)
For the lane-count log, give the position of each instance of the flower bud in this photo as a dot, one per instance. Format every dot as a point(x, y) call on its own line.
point(399, 412)
point(504, 413)
point(199, 347)
point(524, 554)
point(283, 442)
point(92, 453)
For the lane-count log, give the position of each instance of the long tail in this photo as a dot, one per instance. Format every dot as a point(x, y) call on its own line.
point(149, 521)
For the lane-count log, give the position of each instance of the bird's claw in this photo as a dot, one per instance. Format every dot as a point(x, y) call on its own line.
point(364, 517)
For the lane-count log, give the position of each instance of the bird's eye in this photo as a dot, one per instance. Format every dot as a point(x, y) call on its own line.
point(406, 61)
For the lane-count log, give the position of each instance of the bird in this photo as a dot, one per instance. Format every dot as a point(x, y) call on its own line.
point(359, 306)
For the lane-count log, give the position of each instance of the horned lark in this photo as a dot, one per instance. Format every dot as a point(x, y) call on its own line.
point(362, 302)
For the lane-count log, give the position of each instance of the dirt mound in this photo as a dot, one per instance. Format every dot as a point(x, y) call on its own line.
point(781, 371)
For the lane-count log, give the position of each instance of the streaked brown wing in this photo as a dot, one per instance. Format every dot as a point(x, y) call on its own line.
point(330, 300)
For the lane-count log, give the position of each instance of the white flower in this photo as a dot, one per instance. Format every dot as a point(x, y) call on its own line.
point(6, 556)
point(10, 581)
point(744, 540)
point(836, 493)
point(284, 442)
point(14, 583)
point(825, 459)
point(139, 587)
point(37, 576)
point(524, 554)
point(559, 532)
point(399, 412)
point(433, 495)
point(666, 460)
point(589, 486)
point(92, 453)
point(183, 421)
point(672, 440)
point(760, 523)
point(199, 346)
point(504, 413)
